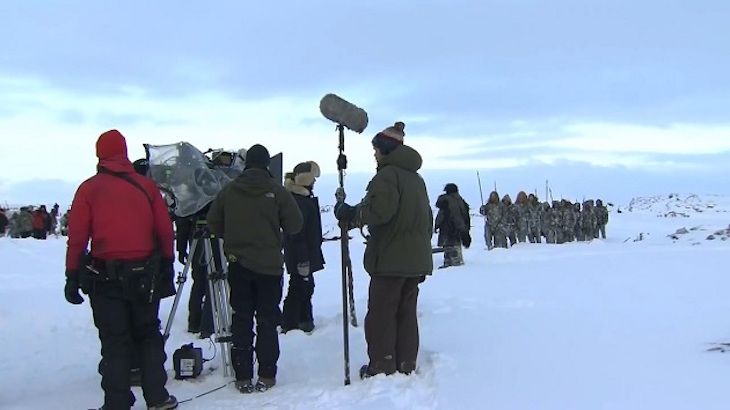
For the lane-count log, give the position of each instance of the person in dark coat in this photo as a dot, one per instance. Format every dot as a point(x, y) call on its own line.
point(200, 311)
point(250, 214)
point(398, 257)
point(303, 250)
point(129, 270)
point(452, 224)
point(4, 222)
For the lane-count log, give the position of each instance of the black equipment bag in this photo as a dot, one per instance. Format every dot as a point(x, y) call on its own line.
point(187, 362)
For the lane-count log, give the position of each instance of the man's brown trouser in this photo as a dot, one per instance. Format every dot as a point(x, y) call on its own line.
point(391, 324)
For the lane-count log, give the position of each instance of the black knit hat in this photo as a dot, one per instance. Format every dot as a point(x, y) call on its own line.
point(451, 188)
point(257, 157)
point(141, 166)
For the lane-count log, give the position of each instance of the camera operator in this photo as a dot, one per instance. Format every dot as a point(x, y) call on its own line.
point(200, 312)
point(249, 214)
point(124, 216)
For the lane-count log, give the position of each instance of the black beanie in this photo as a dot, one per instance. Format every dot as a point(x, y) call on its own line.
point(451, 188)
point(257, 157)
point(141, 166)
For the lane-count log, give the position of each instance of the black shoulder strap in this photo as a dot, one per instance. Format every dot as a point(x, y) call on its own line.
point(128, 179)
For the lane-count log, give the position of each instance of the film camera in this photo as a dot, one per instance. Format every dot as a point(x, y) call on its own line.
point(190, 179)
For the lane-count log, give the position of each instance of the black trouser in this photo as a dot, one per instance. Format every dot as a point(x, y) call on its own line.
point(200, 312)
point(123, 327)
point(298, 302)
point(391, 324)
point(39, 233)
point(254, 294)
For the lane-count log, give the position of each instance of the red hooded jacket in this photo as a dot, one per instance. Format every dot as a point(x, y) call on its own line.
point(117, 217)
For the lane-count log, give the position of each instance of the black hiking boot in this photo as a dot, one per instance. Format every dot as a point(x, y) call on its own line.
point(264, 384)
point(170, 403)
point(245, 386)
point(365, 372)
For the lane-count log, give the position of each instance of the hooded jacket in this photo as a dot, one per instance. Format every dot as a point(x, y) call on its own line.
point(398, 214)
point(117, 217)
point(452, 219)
point(250, 213)
point(305, 245)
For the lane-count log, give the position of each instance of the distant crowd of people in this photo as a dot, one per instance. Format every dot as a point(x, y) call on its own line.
point(527, 219)
point(507, 223)
point(29, 221)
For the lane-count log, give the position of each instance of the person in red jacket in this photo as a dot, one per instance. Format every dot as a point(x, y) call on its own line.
point(40, 217)
point(129, 270)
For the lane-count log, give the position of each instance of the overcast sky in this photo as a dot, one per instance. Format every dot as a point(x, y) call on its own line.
point(630, 85)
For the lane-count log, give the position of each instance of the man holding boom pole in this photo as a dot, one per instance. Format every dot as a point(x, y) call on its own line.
point(398, 257)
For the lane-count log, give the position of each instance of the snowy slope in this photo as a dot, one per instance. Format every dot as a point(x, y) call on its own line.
point(613, 324)
point(679, 205)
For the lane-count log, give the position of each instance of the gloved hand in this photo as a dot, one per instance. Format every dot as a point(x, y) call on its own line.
point(345, 212)
point(303, 269)
point(71, 290)
point(165, 285)
point(182, 256)
point(466, 239)
point(340, 194)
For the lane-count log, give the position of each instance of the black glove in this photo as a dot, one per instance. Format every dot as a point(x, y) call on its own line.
point(182, 256)
point(345, 212)
point(466, 239)
point(71, 290)
point(165, 283)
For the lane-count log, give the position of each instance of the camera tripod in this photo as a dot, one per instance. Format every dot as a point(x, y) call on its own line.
point(218, 290)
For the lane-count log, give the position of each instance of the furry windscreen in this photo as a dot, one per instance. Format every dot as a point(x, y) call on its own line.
point(342, 112)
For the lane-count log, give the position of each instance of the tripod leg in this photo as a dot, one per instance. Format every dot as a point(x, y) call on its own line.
point(218, 288)
point(181, 278)
point(225, 311)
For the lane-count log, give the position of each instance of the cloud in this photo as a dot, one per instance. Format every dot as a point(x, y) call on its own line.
point(455, 63)
point(479, 84)
point(678, 146)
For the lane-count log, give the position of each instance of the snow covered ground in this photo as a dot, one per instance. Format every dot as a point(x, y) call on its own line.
point(620, 323)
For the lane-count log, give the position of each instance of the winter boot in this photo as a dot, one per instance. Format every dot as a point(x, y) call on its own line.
point(170, 403)
point(245, 386)
point(365, 372)
point(264, 384)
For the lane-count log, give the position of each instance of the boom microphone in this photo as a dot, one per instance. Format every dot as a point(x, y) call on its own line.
point(344, 113)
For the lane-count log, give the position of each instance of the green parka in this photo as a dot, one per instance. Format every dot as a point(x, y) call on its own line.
point(398, 214)
point(249, 213)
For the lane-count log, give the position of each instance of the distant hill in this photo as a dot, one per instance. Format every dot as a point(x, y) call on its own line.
point(678, 205)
